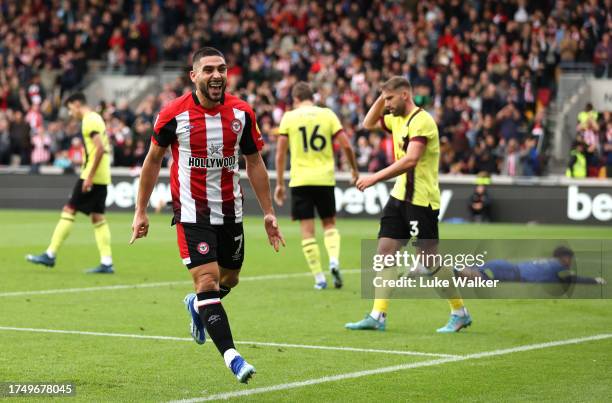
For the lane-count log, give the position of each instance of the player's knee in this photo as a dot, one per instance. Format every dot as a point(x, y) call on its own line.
point(386, 251)
point(387, 246)
point(307, 228)
point(69, 209)
point(329, 223)
point(96, 218)
point(205, 282)
point(230, 281)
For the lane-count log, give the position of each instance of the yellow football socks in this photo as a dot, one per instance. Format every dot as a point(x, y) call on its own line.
point(61, 232)
point(103, 240)
point(332, 245)
point(310, 248)
point(382, 294)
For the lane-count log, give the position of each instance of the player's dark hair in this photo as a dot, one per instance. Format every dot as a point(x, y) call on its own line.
point(206, 51)
point(395, 83)
point(76, 97)
point(301, 91)
point(561, 251)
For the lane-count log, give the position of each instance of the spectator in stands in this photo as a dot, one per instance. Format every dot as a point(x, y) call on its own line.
point(115, 60)
point(511, 164)
point(133, 65)
point(62, 161)
point(5, 141)
point(586, 116)
point(480, 205)
point(364, 153)
point(590, 137)
point(139, 153)
point(508, 119)
point(70, 75)
point(577, 167)
point(483, 159)
point(41, 150)
point(20, 139)
point(124, 155)
point(75, 152)
point(34, 117)
point(145, 111)
point(58, 136)
point(467, 61)
point(116, 40)
point(603, 57)
point(607, 146)
point(531, 164)
point(569, 45)
point(124, 113)
point(379, 156)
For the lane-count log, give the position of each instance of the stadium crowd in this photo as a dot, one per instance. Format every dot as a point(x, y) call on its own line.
point(486, 69)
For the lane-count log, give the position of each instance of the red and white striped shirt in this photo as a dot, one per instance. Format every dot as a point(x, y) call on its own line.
point(204, 177)
point(40, 148)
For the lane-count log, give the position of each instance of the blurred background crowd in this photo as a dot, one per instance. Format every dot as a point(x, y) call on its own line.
point(486, 70)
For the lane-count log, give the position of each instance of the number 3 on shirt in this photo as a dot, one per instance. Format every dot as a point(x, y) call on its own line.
point(317, 141)
point(414, 228)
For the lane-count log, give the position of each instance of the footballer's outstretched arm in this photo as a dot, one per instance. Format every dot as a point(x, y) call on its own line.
point(281, 155)
point(148, 179)
point(413, 154)
point(372, 118)
point(258, 176)
point(568, 276)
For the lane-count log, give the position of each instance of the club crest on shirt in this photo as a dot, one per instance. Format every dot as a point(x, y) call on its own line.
point(236, 126)
point(203, 248)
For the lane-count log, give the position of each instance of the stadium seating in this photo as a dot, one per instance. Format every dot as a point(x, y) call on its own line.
point(488, 73)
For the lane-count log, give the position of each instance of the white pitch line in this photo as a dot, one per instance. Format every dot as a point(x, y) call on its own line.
point(281, 276)
point(88, 289)
point(352, 349)
point(395, 368)
point(257, 343)
point(60, 331)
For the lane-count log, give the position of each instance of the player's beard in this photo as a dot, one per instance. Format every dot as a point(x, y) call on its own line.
point(207, 94)
point(399, 110)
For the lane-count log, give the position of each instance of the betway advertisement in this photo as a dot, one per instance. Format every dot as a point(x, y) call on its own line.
point(510, 202)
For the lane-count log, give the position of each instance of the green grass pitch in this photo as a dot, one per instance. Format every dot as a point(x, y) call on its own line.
point(284, 310)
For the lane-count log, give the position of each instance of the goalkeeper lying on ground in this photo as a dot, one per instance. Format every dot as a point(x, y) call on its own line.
point(552, 270)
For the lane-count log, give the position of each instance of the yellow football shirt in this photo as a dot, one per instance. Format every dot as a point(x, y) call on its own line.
point(419, 185)
point(310, 130)
point(93, 123)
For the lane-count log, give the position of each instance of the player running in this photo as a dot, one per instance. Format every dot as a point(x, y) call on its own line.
point(206, 129)
point(310, 131)
point(89, 194)
point(412, 209)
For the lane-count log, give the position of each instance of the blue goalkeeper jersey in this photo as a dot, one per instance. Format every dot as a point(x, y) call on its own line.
point(534, 271)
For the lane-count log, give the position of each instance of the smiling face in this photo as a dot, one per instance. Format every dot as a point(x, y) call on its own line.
point(209, 75)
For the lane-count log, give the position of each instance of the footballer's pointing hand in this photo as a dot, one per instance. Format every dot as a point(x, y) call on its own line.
point(274, 235)
point(365, 182)
point(140, 227)
point(279, 195)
